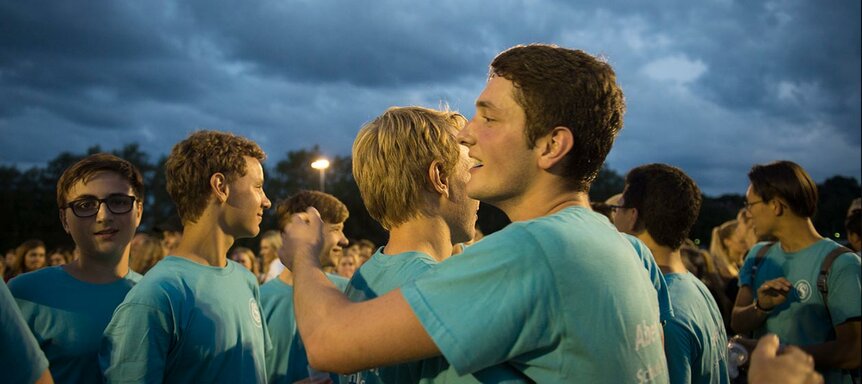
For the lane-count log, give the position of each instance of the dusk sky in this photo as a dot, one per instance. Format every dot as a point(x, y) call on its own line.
point(711, 86)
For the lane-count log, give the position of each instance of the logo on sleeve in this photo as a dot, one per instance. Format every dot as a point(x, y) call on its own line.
point(803, 289)
point(255, 312)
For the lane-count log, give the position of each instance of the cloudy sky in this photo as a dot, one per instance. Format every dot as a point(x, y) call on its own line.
point(712, 86)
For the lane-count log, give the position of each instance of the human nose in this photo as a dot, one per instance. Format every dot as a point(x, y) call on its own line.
point(102, 211)
point(266, 203)
point(342, 240)
point(465, 135)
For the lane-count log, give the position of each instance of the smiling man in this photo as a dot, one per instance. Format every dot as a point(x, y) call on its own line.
point(780, 287)
point(67, 307)
point(195, 316)
point(558, 294)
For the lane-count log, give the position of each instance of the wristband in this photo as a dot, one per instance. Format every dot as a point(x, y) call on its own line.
point(758, 308)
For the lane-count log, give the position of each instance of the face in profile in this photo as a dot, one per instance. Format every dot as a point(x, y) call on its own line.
point(463, 215)
point(105, 234)
point(246, 201)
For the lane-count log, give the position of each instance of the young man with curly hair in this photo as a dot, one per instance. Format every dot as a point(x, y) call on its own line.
point(195, 316)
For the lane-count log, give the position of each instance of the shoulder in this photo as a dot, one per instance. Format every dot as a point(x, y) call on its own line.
point(27, 284)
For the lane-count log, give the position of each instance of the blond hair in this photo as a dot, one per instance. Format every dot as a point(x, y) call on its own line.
point(391, 156)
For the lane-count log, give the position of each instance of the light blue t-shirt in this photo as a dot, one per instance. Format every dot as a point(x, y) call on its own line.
point(695, 342)
point(67, 317)
point(562, 298)
point(287, 361)
point(21, 360)
point(803, 319)
point(664, 300)
point(383, 273)
point(187, 322)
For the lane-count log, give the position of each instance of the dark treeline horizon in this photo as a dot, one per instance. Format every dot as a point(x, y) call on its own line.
point(28, 198)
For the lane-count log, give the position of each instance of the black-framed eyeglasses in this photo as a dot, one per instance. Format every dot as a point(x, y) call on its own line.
point(747, 206)
point(89, 206)
point(615, 208)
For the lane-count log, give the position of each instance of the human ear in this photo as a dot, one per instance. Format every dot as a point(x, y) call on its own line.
point(555, 146)
point(219, 187)
point(438, 178)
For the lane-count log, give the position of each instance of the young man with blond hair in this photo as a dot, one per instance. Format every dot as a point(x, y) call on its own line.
point(195, 316)
point(413, 176)
point(101, 200)
point(558, 294)
point(286, 362)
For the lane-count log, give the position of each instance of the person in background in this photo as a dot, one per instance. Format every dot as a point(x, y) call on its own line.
point(853, 226)
point(30, 256)
point(778, 284)
point(246, 258)
point(287, 362)
point(146, 251)
point(348, 263)
point(59, 256)
point(101, 201)
point(195, 316)
point(270, 243)
point(366, 249)
point(727, 248)
point(694, 340)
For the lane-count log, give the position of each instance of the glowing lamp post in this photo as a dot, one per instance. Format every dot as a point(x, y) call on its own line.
point(321, 165)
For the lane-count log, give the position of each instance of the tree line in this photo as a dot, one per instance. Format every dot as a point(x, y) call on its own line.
point(28, 198)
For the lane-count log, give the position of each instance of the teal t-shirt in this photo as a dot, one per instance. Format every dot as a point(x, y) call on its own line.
point(67, 317)
point(287, 361)
point(803, 319)
point(562, 298)
point(664, 300)
point(21, 360)
point(187, 322)
point(383, 273)
point(695, 342)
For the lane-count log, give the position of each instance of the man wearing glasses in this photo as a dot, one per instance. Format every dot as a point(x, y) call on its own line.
point(779, 290)
point(67, 307)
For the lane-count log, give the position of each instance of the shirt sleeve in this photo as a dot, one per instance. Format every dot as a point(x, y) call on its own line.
point(489, 304)
point(680, 350)
point(135, 345)
point(845, 290)
point(21, 359)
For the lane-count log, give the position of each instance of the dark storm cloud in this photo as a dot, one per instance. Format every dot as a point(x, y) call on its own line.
point(712, 87)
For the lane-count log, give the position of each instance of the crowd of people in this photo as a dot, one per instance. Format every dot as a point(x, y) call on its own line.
point(571, 291)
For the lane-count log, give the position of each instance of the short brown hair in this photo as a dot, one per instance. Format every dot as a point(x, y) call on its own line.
point(86, 168)
point(391, 156)
point(332, 210)
point(194, 160)
point(787, 180)
point(559, 87)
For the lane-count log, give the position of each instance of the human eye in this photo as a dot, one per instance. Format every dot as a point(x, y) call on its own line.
point(120, 201)
point(85, 204)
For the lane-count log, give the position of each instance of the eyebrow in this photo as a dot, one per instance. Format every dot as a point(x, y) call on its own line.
point(485, 104)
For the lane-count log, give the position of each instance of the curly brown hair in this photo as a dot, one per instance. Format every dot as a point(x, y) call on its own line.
point(332, 210)
point(559, 87)
point(193, 161)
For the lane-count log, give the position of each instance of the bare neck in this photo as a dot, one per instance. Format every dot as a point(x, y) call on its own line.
point(429, 235)
point(286, 276)
point(205, 242)
point(96, 270)
point(796, 233)
point(542, 199)
point(669, 260)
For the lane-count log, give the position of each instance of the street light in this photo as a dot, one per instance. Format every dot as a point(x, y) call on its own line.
point(321, 165)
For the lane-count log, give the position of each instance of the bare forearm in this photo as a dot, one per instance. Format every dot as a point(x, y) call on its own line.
point(745, 319)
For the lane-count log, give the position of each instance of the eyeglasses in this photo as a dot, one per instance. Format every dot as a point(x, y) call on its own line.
point(89, 206)
point(747, 206)
point(615, 208)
